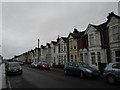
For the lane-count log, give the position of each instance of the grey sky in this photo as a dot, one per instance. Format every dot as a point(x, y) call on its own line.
point(24, 22)
point(0, 28)
point(119, 8)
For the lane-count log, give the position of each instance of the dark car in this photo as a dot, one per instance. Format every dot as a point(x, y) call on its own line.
point(43, 65)
point(21, 63)
point(13, 68)
point(112, 72)
point(81, 69)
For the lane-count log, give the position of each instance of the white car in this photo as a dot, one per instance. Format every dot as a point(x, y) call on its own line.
point(112, 72)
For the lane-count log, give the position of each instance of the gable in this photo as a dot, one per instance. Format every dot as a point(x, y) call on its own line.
point(70, 36)
point(46, 46)
point(51, 45)
point(113, 21)
point(61, 41)
point(90, 29)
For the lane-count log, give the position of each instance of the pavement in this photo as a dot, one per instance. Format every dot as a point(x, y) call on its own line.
point(3, 84)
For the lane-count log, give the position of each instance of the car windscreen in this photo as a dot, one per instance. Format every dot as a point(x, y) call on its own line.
point(116, 65)
point(85, 65)
point(14, 64)
point(44, 63)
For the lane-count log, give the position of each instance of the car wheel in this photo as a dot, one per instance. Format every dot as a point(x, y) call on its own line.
point(41, 68)
point(21, 73)
point(65, 72)
point(81, 74)
point(111, 79)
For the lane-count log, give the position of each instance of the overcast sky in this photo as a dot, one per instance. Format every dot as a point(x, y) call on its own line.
point(24, 22)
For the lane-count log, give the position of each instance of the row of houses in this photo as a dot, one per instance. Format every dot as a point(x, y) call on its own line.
point(96, 46)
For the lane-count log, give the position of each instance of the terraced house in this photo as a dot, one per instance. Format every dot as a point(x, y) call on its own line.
point(96, 50)
point(34, 55)
point(43, 53)
point(75, 43)
point(48, 53)
point(62, 50)
point(103, 42)
point(54, 53)
point(114, 37)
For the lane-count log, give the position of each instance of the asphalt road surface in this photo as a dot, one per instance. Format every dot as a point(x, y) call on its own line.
point(35, 78)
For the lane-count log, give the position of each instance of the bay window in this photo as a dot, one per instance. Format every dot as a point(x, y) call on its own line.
point(116, 32)
point(93, 58)
point(91, 38)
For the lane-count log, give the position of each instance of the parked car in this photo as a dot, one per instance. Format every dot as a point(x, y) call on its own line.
point(43, 65)
point(34, 64)
point(13, 68)
point(112, 72)
point(21, 63)
point(81, 69)
point(5, 62)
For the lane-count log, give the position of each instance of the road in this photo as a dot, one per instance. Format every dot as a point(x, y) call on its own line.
point(35, 78)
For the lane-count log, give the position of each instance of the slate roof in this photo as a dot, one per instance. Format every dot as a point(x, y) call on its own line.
point(76, 34)
point(111, 15)
point(48, 44)
point(104, 25)
point(54, 42)
point(100, 27)
point(65, 39)
point(42, 46)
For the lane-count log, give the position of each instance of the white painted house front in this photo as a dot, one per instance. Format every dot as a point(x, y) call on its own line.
point(114, 36)
point(48, 53)
point(43, 53)
point(95, 53)
point(54, 53)
point(62, 50)
point(35, 55)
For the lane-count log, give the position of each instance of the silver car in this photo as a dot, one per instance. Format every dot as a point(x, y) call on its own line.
point(34, 64)
point(112, 72)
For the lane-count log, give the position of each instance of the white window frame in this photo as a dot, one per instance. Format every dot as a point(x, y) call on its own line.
point(91, 39)
point(115, 32)
point(117, 57)
point(75, 44)
point(93, 61)
point(70, 44)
